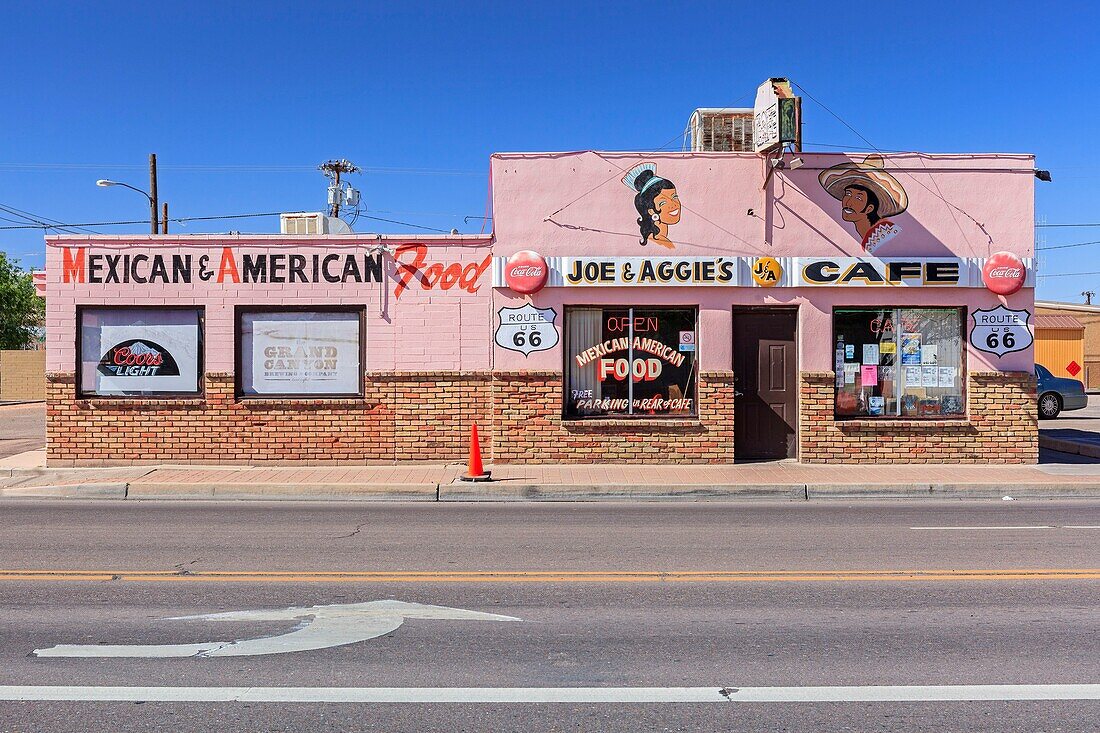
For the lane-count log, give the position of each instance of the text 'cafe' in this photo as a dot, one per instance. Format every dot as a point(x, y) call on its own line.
point(686, 309)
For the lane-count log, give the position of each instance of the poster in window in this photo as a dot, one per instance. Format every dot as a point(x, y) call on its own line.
point(300, 353)
point(134, 351)
point(910, 348)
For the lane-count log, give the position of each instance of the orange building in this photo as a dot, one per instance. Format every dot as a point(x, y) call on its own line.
point(1067, 340)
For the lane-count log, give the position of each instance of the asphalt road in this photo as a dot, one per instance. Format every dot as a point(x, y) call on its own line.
point(996, 624)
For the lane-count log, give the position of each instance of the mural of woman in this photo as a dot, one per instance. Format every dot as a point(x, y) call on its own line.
point(867, 196)
point(657, 203)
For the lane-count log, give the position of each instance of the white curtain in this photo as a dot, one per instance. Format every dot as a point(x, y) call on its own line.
point(585, 331)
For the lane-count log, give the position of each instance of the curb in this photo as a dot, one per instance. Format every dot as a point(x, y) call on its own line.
point(283, 492)
point(78, 473)
point(505, 491)
point(1089, 450)
point(953, 491)
point(110, 490)
point(515, 492)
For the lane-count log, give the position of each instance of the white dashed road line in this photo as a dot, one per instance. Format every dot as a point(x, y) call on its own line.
point(1028, 526)
point(530, 695)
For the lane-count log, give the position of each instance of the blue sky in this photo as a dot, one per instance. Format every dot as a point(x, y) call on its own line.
point(240, 101)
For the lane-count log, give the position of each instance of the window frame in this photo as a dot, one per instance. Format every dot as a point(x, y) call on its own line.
point(963, 313)
point(567, 357)
point(200, 362)
point(238, 348)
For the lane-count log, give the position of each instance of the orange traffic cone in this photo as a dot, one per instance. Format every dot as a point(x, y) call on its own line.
point(474, 470)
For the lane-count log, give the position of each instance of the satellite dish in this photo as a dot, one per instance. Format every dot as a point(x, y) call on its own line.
point(337, 226)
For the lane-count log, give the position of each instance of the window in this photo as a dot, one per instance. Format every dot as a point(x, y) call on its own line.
point(308, 352)
point(899, 362)
point(630, 361)
point(136, 352)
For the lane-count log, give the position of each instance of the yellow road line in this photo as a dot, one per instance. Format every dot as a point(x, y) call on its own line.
point(551, 576)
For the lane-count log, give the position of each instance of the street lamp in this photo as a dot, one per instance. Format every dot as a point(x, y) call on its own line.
point(152, 195)
point(105, 183)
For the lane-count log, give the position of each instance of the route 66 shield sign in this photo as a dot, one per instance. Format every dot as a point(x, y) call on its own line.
point(1001, 331)
point(527, 329)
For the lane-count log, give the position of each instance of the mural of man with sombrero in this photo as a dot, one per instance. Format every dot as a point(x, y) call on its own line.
point(868, 195)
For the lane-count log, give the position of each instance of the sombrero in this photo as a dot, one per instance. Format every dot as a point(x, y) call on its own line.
point(870, 175)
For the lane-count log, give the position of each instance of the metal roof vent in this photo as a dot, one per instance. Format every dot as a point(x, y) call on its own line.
point(311, 223)
point(720, 130)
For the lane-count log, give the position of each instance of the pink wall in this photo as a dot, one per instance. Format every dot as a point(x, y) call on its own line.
point(424, 326)
point(947, 195)
point(575, 204)
point(715, 337)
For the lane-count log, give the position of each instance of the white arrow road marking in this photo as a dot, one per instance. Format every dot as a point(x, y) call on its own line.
point(321, 627)
point(529, 695)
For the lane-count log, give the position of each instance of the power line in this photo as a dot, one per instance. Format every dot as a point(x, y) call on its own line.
point(1037, 226)
point(613, 176)
point(938, 194)
point(1067, 246)
point(851, 147)
point(184, 219)
point(1069, 274)
point(405, 224)
point(27, 216)
point(243, 168)
point(181, 220)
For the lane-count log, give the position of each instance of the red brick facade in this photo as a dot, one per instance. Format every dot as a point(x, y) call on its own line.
point(1000, 426)
point(528, 426)
point(402, 417)
point(427, 416)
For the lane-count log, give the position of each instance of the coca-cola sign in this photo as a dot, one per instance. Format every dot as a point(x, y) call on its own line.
point(138, 358)
point(526, 272)
point(1004, 273)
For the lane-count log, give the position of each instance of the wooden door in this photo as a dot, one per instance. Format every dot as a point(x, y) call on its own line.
point(765, 364)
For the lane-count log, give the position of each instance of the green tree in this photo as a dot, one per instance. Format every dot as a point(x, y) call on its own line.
point(22, 312)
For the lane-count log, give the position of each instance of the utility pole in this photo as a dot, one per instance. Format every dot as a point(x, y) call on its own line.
point(1088, 296)
point(153, 192)
point(164, 218)
point(333, 170)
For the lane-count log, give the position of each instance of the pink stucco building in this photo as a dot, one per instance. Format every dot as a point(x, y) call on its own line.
point(659, 307)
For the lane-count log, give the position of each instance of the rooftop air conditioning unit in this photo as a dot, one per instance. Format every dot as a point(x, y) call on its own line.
point(721, 130)
point(311, 223)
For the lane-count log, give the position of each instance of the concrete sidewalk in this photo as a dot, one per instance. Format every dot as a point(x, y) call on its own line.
point(24, 476)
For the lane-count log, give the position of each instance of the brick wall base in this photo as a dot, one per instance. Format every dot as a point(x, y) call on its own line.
point(426, 416)
point(1001, 426)
point(403, 417)
point(528, 426)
